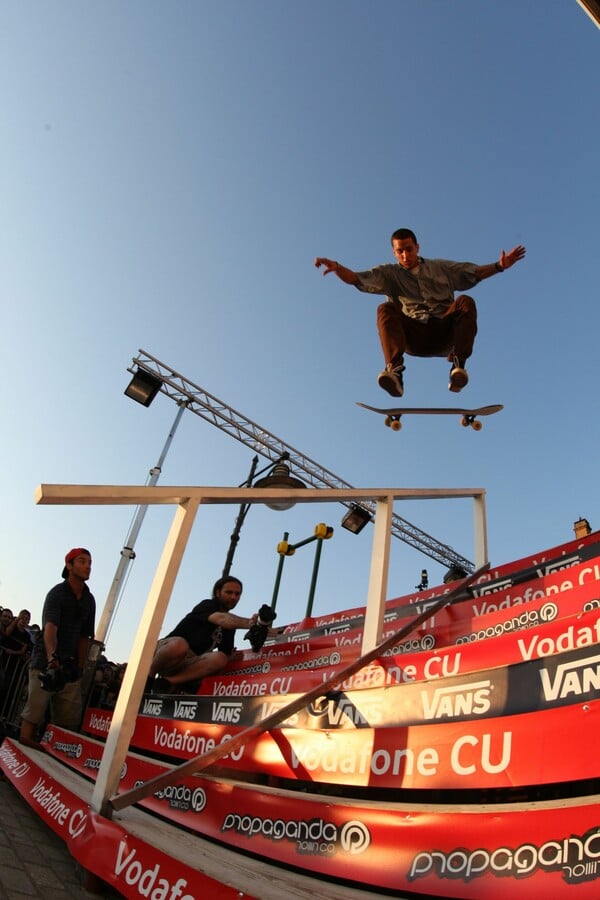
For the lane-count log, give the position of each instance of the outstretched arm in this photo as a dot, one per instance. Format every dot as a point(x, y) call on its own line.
point(505, 262)
point(230, 621)
point(344, 274)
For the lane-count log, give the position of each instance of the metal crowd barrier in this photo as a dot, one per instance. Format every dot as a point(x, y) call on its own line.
point(14, 676)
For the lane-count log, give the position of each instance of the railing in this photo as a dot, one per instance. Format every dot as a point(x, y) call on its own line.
point(14, 676)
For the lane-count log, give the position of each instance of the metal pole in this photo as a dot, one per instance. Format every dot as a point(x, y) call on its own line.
point(286, 535)
point(313, 581)
point(244, 507)
point(127, 553)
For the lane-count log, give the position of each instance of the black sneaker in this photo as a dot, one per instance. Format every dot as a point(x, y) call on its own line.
point(162, 686)
point(391, 381)
point(458, 377)
point(189, 687)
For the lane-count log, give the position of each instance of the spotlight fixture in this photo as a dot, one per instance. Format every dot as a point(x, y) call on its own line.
point(454, 573)
point(356, 518)
point(279, 478)
point(424, 581)
point(143, 387)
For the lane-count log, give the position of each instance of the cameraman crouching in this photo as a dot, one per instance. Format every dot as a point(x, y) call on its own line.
point(202, 643)
point(60, 650)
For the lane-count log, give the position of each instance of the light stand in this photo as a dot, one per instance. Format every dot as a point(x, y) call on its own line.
point(278, 477)
point(128, 553)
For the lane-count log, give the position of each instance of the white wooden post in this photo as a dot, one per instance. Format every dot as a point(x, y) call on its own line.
point(132, 689)
point(378, 577)
point(480, 528)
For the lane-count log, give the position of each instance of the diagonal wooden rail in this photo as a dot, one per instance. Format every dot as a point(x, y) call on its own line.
point(174, 776)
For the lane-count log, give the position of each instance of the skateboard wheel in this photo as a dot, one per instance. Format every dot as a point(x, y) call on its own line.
point(321, 530)
point(387, 421)
point(283, 548)
point(464, 422)
point(395, 424)
point(476, 425)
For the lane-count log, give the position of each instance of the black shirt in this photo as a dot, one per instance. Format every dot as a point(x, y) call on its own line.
point(202, 635)
point(73, 618)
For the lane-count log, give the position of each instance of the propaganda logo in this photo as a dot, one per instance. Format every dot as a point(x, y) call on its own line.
point(332, 659)
point(262, 668)
point(413, 645)
point(70, 750)
point(529, 618)
point(577, 856)
point(315, 837)
point(94, 763)
point(179, 796)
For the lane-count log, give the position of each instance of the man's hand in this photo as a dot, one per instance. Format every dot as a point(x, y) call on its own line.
point(330, 264)
point(509, 259)
point(343, 272)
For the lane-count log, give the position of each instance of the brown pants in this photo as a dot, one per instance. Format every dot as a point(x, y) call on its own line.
point(452, 335)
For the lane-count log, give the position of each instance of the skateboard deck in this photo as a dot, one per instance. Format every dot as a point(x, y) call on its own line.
point(393, 415)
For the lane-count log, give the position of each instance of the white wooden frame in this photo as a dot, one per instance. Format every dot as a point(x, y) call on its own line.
point(187, 501)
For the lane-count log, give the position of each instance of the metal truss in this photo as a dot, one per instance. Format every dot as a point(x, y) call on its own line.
point(211, 409)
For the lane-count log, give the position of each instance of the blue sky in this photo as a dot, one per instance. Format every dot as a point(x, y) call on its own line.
point(169, 173)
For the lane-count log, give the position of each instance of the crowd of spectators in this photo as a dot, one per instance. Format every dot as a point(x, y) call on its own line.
point(17, 636)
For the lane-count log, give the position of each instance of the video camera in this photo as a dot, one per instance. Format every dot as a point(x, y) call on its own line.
point(54, 678)
point(257, 633)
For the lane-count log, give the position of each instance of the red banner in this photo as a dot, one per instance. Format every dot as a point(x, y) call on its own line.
point(462, 852)
point(554, 636)
point(504, 751)
point(544, 563)
point(134, 868)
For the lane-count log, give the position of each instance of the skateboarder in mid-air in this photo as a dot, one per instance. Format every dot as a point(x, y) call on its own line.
point(421, 316)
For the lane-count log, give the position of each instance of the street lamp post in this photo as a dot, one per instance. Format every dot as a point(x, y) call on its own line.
point(322, 532)
point(278, 476)
point(244, 507)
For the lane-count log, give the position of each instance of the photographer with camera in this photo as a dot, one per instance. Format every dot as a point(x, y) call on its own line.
point(202, 643)
point(60, 650)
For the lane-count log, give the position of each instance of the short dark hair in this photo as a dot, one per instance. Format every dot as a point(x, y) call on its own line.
point(401, 234)
point(222, 581)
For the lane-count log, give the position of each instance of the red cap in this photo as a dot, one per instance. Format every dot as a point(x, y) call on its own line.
point(71, 555)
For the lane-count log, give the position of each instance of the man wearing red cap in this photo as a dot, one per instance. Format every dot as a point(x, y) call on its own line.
point(61, 649)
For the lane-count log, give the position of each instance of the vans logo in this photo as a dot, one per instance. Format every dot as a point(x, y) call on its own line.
point(462, 700)
point(565, 562)
point(152, 707)
point(339, 626)
point(185, 709)
point(492, 587)
point(226, 711)
point(576, 678)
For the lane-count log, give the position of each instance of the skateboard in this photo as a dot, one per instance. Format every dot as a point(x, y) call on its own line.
point(468, 416)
